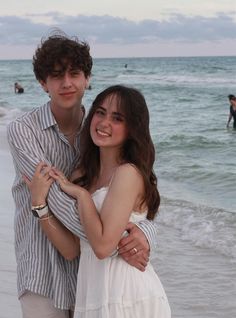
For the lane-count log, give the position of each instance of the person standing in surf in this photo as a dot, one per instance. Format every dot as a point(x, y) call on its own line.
point(232, 110)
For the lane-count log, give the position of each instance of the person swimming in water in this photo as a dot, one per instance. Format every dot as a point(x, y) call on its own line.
point(18, 88)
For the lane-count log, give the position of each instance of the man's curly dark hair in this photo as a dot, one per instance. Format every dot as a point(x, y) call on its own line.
point(59, 49)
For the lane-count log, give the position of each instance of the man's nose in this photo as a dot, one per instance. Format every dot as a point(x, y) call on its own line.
point(66, 80)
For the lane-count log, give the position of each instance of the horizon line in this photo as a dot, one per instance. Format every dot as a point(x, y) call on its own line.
point(130, 57)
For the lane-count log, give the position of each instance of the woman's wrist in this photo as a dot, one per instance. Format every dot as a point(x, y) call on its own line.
point(82, 193)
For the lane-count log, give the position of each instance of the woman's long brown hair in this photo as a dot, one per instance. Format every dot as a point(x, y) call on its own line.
point(138, 149)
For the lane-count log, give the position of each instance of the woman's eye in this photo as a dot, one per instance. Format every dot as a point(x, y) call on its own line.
point(100, 112)
point(118, 118)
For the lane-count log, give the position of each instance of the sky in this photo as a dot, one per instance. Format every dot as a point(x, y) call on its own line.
point(122, 28)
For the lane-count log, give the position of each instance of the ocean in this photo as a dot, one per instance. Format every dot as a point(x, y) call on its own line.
point(195, 164)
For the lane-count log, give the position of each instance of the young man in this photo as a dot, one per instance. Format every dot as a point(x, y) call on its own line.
point(50, 133)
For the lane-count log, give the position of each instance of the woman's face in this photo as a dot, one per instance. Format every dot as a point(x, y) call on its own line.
point(108, 126)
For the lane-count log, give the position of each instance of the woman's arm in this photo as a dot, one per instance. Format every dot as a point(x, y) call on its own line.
point(104, 230)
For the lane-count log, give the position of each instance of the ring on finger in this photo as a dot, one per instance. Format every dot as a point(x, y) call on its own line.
point(135, 250)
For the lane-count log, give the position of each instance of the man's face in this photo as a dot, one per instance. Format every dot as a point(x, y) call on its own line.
point(66, 88)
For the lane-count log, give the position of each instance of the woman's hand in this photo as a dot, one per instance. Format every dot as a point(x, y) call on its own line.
point(66, 186)
point(40, 184)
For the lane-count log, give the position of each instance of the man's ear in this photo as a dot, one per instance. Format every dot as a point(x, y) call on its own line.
point(87, 82)
point(44, 86)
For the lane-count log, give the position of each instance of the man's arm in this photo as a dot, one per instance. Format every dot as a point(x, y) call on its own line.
point(27, 152)
point(149, 229)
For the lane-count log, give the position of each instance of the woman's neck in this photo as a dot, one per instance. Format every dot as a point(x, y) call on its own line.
point(109, 161)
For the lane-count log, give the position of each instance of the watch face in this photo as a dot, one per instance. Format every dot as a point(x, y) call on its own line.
point(35, 213)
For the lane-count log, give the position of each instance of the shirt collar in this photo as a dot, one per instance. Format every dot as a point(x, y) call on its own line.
point(46, 116)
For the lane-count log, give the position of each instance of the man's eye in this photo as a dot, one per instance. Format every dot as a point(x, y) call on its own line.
point(75, 72)
point(55, 74)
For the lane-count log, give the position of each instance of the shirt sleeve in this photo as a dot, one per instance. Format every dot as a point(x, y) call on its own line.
point(149, 228)
point(27, 152)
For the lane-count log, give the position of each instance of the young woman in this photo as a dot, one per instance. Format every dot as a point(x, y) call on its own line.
point(115, 184)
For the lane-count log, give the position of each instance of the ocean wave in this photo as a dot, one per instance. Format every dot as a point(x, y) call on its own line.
point(203, 226)
point(9, 114)
point(183, 141)
point(177, 79)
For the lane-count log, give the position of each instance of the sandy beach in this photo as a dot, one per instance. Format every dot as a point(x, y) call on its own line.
point(8, 301)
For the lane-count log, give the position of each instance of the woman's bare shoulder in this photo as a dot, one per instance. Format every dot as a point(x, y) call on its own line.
point(128, 172)
point(129, 167)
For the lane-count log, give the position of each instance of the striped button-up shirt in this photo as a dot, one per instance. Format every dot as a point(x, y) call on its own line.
point(41, 269)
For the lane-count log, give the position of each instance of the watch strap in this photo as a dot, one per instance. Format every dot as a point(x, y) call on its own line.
point(40, 211)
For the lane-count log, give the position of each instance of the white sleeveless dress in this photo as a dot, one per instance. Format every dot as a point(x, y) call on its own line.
point(111, 288)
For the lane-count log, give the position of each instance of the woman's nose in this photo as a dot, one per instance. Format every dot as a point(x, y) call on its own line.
point(106, 120)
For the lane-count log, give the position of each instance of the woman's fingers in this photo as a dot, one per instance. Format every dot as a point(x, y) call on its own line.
point(53, 175)
point(40, 166)
point(57, 175)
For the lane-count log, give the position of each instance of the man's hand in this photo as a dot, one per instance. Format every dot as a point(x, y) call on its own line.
point(134, 248)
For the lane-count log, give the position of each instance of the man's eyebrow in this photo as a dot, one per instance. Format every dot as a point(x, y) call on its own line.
point(74, 68)
point(59, 71)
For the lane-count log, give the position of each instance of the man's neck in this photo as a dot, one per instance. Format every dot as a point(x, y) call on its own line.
point(69, 119)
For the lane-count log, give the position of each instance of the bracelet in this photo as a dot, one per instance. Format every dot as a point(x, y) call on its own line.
point(46, 217)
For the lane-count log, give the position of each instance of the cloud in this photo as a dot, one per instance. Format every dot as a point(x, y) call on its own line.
point(114, 30)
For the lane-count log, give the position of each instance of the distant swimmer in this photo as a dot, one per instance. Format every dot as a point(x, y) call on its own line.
point(126, 65)
point(18, 88)
point(232, 110)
